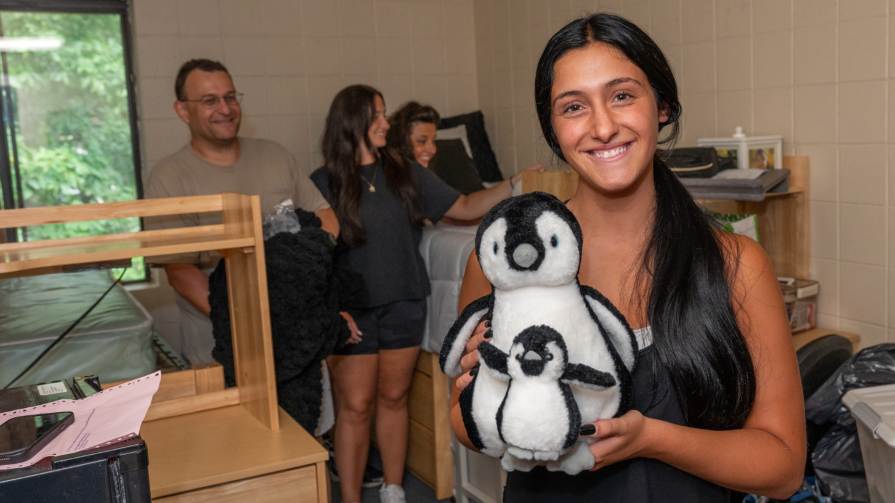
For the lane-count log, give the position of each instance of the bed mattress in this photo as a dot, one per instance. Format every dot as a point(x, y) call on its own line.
point(445, 250)
point(113, 342)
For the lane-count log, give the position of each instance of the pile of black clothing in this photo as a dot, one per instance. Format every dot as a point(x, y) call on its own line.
point(836, 457)
point(305, 293)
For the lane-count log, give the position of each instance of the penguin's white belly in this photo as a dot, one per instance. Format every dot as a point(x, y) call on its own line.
point(563, 309)
point(535, 416)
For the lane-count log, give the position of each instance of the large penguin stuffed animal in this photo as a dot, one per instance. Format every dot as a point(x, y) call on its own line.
point(558, 354)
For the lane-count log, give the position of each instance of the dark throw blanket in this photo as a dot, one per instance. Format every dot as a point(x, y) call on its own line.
point(304, 294)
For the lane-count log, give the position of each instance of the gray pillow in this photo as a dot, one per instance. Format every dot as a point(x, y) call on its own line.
point(453, 165)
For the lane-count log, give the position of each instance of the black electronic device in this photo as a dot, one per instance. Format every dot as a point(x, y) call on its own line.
point(701, 162)
point(111, 473)
point(24, 436)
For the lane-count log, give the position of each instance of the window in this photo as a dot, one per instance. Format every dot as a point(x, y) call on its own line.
point(68, 113)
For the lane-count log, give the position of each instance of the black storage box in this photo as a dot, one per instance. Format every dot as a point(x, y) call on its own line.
point(114, 473)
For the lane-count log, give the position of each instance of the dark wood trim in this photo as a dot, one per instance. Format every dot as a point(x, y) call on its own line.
point(74, 6)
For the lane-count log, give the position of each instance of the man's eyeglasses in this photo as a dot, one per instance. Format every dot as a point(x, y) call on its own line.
point(211, 101)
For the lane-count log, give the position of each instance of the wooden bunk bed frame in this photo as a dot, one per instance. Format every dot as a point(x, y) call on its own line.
point(204, 440)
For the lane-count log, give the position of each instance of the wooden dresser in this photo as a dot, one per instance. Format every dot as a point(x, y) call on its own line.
point(225, 455)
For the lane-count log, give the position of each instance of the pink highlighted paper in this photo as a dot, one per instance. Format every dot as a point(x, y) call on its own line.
point(108, 416)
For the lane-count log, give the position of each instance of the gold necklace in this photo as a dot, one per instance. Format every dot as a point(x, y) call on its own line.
point(370, 186)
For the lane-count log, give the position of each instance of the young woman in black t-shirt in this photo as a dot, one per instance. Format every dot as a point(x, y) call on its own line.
point(717, 396)
point(381, 201)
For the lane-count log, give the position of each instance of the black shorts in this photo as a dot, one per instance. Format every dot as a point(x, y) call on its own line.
point(391, 326)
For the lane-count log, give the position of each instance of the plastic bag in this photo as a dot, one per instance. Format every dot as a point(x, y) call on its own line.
point(873, 366)
point(839, 467)
point(837, 456)
point(282, 219)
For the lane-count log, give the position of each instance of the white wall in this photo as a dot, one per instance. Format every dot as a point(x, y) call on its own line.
point(290, 57)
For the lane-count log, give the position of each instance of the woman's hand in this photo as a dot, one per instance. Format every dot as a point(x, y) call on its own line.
point(355, 333)
point(619, 438)
point(471, 356)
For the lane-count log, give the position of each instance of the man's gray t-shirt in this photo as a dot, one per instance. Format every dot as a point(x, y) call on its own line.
point(264, 168)
point(389, 260)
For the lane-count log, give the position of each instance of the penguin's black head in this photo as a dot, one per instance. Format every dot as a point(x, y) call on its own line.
point(538, 348)
point(532, 239)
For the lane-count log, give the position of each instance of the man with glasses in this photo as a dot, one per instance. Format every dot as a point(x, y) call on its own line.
point(217, 160)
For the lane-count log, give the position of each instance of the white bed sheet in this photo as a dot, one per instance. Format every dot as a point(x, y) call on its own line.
point(445, 249)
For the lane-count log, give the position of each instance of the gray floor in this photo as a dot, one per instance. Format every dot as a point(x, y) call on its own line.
point(414, 489)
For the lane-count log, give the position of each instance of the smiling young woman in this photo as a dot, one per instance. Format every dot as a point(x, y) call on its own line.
point(717, 397)
point(413, 133)
point(414, 129)
point(606, 118)
point(382, 200)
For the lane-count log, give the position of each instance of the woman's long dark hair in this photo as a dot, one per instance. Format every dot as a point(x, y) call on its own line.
point(402, 121)
point(347, 123)
point(690, 306)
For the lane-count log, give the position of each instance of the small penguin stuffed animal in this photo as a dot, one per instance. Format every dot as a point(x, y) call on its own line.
point(558, 354)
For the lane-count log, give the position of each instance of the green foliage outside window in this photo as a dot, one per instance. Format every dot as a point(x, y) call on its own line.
point(72, 125)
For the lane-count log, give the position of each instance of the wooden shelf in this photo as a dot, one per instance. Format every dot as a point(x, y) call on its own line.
point(224, 445)
point(21, 258)
point(237, 231)
point(788, 193)
point(783, 220)
point(238, 236)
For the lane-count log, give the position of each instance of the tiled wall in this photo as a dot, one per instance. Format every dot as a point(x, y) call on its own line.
point(290, 57)
point(819, 72)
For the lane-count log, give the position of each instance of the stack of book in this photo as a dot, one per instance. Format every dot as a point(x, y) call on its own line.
point(738, 184)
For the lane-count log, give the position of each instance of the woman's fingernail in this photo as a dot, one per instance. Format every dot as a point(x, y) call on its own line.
point(587, 430)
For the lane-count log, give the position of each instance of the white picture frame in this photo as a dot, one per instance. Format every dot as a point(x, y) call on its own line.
point(763, 152)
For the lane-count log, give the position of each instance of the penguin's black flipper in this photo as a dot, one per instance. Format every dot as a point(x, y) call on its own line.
point(614, 324)
point(587, 377)
point(574, 418)
point(472, 430)
point(454, 344)
point(495, 359)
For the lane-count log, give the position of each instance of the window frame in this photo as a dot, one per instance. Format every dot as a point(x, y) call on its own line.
point(123, 9)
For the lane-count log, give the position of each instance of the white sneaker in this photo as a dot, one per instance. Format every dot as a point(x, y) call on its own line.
point(391, 493)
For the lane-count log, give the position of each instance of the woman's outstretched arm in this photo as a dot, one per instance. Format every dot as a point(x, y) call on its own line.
point(476, 204)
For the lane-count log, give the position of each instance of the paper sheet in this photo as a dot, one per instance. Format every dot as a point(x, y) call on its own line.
point(739, 174)
point(108, 416)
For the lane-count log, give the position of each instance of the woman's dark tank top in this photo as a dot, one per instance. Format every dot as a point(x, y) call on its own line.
point(632, 481)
